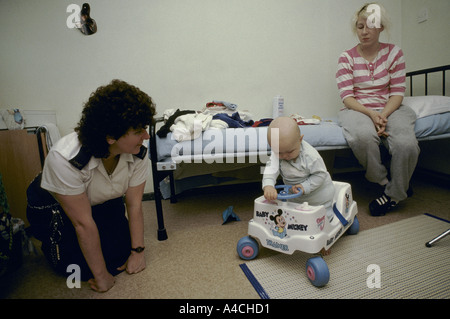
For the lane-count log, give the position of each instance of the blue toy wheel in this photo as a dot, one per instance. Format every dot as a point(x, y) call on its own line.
point(317, 271)
point(247, 248)
point(284, 193)
point(354, 227)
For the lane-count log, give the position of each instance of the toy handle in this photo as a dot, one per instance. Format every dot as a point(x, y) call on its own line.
point(284, 193)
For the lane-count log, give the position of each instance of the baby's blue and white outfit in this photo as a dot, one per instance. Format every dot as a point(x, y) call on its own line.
point(307, 169)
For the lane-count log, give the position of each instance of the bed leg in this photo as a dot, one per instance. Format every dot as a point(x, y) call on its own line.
point(173, 196)
point(162, 233)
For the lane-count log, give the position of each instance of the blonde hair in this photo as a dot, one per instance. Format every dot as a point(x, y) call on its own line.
point(363, 13)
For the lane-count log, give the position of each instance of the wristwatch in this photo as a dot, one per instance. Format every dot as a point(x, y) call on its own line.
point(138, 249)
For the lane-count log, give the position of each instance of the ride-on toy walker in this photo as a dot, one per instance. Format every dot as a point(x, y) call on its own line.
point(287, 226)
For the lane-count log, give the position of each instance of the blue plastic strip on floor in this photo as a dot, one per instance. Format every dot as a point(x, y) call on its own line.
point(259, 289)
point(439, 218)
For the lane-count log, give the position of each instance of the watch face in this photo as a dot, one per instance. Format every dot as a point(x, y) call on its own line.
point(138, 249)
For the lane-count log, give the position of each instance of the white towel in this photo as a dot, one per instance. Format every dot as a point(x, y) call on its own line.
point(52, 135)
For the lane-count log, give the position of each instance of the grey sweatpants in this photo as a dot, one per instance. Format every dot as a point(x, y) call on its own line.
point(401, 143)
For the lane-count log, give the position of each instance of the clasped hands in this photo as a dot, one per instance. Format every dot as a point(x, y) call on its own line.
point(380, 123)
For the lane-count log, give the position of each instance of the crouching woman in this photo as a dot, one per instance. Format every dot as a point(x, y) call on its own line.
point(86, 205)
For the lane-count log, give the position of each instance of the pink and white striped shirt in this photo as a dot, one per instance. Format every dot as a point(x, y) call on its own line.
point(372, 83)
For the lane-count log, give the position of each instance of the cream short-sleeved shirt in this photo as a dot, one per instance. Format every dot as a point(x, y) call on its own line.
point(68, 170)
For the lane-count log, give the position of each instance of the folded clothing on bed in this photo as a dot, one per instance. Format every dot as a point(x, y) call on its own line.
point(165, 129)
point(186, 125)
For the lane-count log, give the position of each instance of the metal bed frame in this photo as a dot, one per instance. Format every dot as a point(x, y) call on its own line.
point(425, 72)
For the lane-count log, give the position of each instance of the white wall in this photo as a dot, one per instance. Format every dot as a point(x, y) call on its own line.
point(426, 44)
point(185, 53)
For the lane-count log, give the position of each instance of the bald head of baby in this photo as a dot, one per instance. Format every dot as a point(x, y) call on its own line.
point(284, 138)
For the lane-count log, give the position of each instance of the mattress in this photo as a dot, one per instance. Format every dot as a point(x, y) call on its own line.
point(233, 144)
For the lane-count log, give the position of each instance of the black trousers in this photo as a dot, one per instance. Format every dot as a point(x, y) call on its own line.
point(50, 225)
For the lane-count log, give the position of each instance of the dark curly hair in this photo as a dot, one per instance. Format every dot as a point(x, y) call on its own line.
point(111, 111)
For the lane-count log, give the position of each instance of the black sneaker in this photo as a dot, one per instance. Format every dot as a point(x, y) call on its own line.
point(381, 205)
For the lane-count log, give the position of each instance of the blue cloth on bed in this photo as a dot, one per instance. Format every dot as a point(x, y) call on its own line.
point(233, 121)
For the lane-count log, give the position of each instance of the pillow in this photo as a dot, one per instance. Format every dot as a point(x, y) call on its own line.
point(428, 105)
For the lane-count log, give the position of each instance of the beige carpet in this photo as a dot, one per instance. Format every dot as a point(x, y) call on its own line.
point(387, 262)
point(199, 259)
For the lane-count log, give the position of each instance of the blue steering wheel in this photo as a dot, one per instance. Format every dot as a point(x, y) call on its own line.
point(284, 193)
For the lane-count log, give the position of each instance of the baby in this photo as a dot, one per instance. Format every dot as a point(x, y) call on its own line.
point(299, 164)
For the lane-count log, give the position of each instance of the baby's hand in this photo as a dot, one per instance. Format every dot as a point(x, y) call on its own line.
point(296, 187)
point(270, 193)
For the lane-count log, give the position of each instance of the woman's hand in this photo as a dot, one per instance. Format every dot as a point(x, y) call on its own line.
point(78, 209)
point(380, 123)
point(102, 283)
point(394, 102)
point(379, 119)
point(134, 264)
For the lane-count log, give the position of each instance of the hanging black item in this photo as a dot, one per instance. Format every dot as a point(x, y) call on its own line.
point(88, 25)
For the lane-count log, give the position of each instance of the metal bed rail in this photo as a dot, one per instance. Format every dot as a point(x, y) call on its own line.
point(426, 72)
